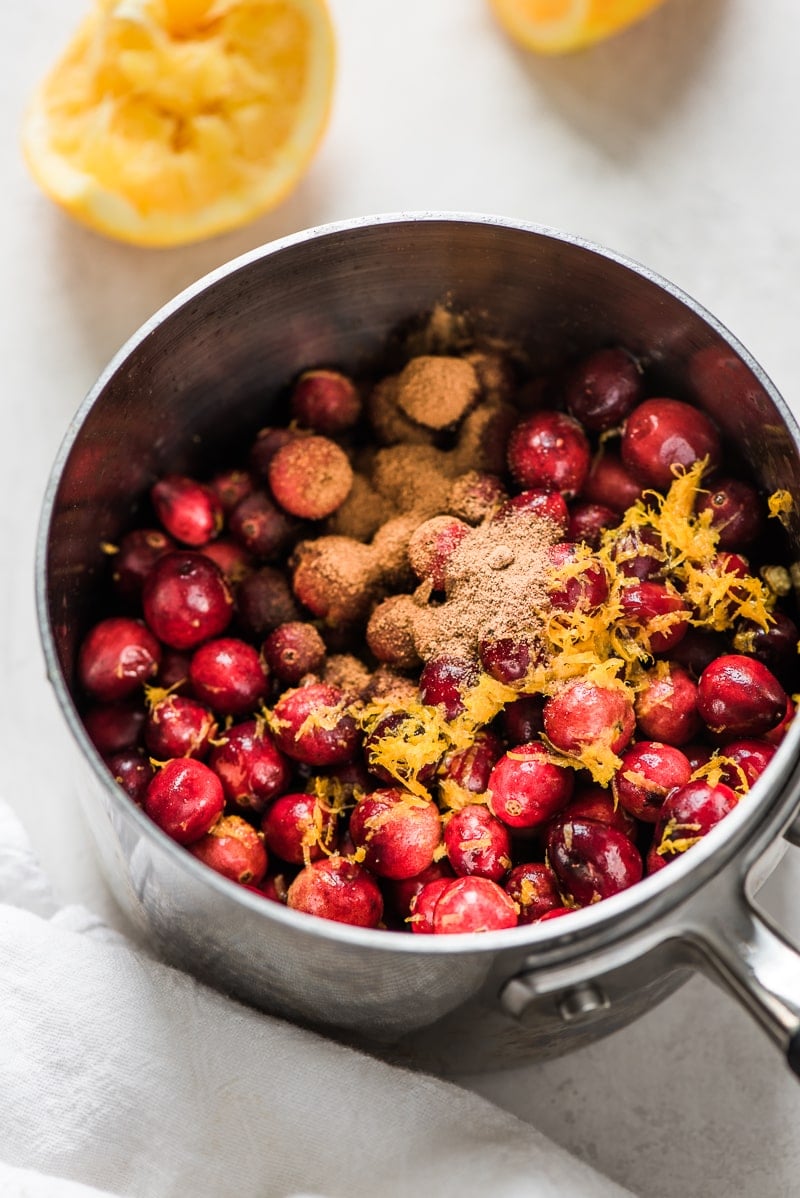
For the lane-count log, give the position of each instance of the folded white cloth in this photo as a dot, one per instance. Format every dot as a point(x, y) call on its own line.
point(119, 1075)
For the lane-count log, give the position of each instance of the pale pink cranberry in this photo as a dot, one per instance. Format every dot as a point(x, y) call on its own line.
point(310, 477)
point(583, 715)
point(738, 696)
point(478, 843)
point(234, 849)
point(325, 401)
point(311, 725)
point(432, 545)
point(185, 799)
point(534, 889)
point(473, 904)
point(186, 600)
point(177, 726)
point(116, 656)
point(337, 889)
point(666, 707)
point(592, 860)
point(229, 675)
point(549, 450)
point(526, 789)
point(663, 433)
point(298, 828)
point(649, 771)
point(398, 831)
point(190, 511)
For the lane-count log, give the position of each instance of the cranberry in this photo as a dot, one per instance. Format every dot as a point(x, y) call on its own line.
point(508, 658)
point(403, 891)
point(310, 477)
point(610, 483)
point(555, 913)
point(117, 655)
point(390, 633)
point(534, 889)
point(697, 755)
point(735, 512)
point(178, 727)
point(583, 715)
point(311, 725)
point(404, 732)
point(264, 600)
point(186, 599)
point(293, 650)
point(595, 802)
point(473, 904)
point(567, 589)
point(444, 681)
point(234, 849)
point(750, 758)
point(231, 487)
point(132, 771)
point(113, 727)
point(548, 505)
point(298, 828)
point(688, 814)
point(398, 831)
point(666, 706)
point(588, 521)
point(592, 860)
point(775, 646)
point(275, 886)
point(422, 906)
point(432, 545)
point(249, 765)
point(475, 495)
point(325, 401)
point(663, 433)
point(469, 768)
point(649, 771)
point(696, 650)
point(185, 799)
point(234, 562)
point(550, 450)
point(266, 445)
point(260, 527)
point(526, 788)
point(139, 550)
point(478, 843)
point(660, 612)
point(229, 675)
point(337, 889)
point(776, 734)
point(738, 696)
point(637, 553)
point(190, 511)
point(522, 719)
point(603, 389)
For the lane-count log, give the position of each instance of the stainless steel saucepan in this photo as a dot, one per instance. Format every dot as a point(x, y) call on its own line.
point(199, 376)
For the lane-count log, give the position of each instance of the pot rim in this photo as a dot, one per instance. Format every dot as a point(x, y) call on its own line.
point(747, 831)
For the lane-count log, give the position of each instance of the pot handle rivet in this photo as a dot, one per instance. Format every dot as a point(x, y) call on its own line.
point(520, 993)
point(581, 1001)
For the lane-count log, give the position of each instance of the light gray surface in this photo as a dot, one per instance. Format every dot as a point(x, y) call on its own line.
point(674, 144)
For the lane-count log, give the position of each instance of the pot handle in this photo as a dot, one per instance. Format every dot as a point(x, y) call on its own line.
point(748, 954)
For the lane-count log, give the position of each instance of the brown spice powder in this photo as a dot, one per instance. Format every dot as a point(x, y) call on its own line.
point(437, 392)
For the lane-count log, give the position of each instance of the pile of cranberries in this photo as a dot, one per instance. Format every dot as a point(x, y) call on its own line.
point(249, 627)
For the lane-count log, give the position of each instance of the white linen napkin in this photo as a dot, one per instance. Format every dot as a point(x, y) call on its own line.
point(120, 1075)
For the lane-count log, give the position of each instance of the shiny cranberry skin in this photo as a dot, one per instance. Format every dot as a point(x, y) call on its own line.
point(588, 521)
point(190, 511)
point(469, 768)
point(444, 681)
point(688, 814)
point(775, 735)
point(311, 725)
point(132, 771)
point(298, 829)
point(325, 401)
point(507, 658)
point(400, 728)
point(603, 389)
point(534, 889)
point(550, 450)
point(398, 831)
point(587, 590)
point(548, 505)
point(522, 720)
point(234, 562)
point(595, 802)
point(420, 918)
point(775, 646)
point(229, 675)
point(696, 650)
point(249, 765)
point(432, 545)
point(738, 696)
point(186, 599)
point(752, 757)
point(264, 601)
point(662, 433)
point(610, 483)
point(113, 727)
point(735, 510)
point(260, 527)
point(178, 727)
point(555, 913)
point(526, 789)
point(185, 799)
point(583, 715)
point(666, 707)
point(139, 551)
point(337, 889)
point(234, 849)
point(649, 771)
point(402, 891)
point(478, 843)
point(592, 860)
point(637, 553)
point(660, 612)
point(473, 904)
point(231, 487)
point(116, 656)
point(293, 650)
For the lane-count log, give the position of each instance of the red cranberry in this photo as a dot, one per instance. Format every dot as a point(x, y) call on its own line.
point(522, 719)
point(234, 562)
point(298, 828)
point(588, 521)
point(403, 891)
point(637, 553)
point(293, 650)
point(592, 860)
point(555, 913)
point(260, 527)
point(132, 771)
point(311, 725)
point(477, 843)
point(507, 658)
point(250, 767)
point(775, 646)
point(275, 886)
point(266, 445)
point(666, 706)
point(113, 727)
point(325, 401)
point(697, 755)
point(423, 903)
point(173, 673)
point(310, 477)
point(688, 814)
point(190, 511)
point(234, 849)
point(660, 612)
point(610, 483)
point(231, 487)
point(750, 758)
point(116, 657)
point(567, 590)
point(432, 545)
point(185, 799)
point(337, 889)
point(229, 675)
point(186, 599)
point(550, 450)
point(398, 831)
point(264, 600)
point(139, 550)
point(469, 768)
point(738, 696)
point(526, 788)
point(444, 682)
point(649, 771)
point(595, 802)
point(178, 727)
point(548, 505)
point(775, 735)
point(534, 889)
point(473, 904)
point(401, 729)
point(603, 389)
point(662, 433)
point(735, 512)
point(583, 715)
point(696, 650)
